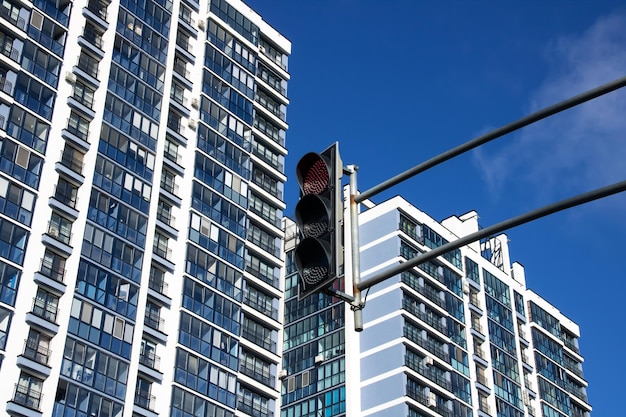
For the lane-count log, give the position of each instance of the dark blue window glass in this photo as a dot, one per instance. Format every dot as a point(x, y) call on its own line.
point(9, 282)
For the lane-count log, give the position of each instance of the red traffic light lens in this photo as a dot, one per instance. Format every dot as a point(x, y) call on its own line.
point(312, 173)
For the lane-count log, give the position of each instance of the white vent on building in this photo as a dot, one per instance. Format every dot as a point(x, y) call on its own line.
point(70, 77)
point(428, 361)
point(195, 103)
point(192, 124)
point(319, 359)
point(432, 399)
point(282, 374)
point(201, 24)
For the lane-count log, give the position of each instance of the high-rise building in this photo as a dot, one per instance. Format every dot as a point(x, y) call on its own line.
point(142, 147)
point(458, 336)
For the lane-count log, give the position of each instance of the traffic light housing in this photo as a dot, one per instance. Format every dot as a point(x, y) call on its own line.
point(319, 213)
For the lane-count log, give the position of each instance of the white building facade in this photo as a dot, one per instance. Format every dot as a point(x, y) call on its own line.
point(142, 147)
point(462, 335)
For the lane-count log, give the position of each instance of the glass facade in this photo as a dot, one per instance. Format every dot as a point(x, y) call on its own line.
point(313, 365)
point(141, 164)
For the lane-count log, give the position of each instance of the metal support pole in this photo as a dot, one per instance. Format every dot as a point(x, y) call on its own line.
point(357, 304)
point(495, 134)
point(618, 187)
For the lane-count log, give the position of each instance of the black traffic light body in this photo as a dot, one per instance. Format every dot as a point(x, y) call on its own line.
point(319, 215)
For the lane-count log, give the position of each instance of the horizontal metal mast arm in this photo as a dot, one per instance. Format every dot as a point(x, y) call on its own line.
point(495, 134)
point(492, 230)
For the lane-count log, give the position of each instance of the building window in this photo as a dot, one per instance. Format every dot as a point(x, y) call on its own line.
point(28, 129)
point(148, 356)
point(153, 317)
point(264, 239)
point(83, 94)
point(267, 182)
point(93, 34)
point(9, 282)
point(212, 342)
point(120, 183)
point(268, 155)
point(157, 280)
point(544, 319)
point(216, 207)
point(164, 213)
point(13, 240)
point(143, 394)
point(94, 368)
point(28, 391)
point(213, 272)
point(236, 20)
point(160, 246)
point(60, 228)
point(20, 163)
point(36, 347)
point(107, 289)
point(186, 403)
point(231, 46)
point(88, 64)
point(16, 201)
point(261, 302)
point(497, 289)
point(472, 270)
point(335, 402)
point(5, 322)
point(217, 240)
point(47, 32)
point(202, 376)
point(256, 368)
point(126, 152)
point(259, 334)
point(79, 126)
point(39, 62)
point(109, 331)
point(263, 270)
point(168, 182)
point(53, 266)
point(72, 159)
point(254, 404)
point(211, 306)
point(35, 96)
point(46, 305)
point(66, 192)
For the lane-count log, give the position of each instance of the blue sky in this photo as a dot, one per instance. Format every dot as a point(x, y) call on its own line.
point(398, 82)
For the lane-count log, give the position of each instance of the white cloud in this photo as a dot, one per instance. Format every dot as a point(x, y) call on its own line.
point(580, 149)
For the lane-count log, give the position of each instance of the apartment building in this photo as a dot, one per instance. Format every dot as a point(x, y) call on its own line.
point(142, 147)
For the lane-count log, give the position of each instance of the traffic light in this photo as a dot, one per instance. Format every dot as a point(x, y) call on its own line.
point(318, 216)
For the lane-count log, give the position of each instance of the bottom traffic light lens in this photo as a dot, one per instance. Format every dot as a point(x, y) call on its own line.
point(312, 259)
